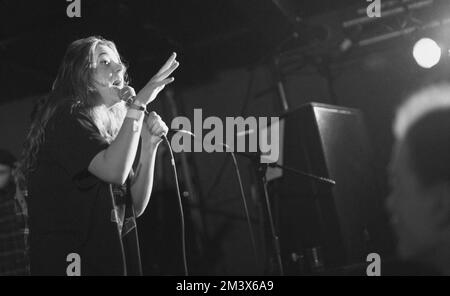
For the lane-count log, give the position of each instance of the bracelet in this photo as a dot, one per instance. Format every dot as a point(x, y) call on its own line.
point(136, 115)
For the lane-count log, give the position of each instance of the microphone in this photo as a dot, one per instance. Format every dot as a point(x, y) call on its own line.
point(127, 94)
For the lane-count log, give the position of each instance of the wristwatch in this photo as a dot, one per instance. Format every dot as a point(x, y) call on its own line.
point(137, 107)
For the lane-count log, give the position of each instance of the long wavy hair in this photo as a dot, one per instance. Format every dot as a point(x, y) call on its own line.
point(74, 84)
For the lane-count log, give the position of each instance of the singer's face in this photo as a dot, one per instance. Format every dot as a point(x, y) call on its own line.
point(108, 74)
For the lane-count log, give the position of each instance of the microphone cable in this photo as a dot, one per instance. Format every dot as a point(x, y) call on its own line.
point(242, 192)
point(183, 231)
point(244, 200)
point(127, 94)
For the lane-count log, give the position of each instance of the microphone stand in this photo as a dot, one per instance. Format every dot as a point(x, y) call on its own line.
point(261, 171)
point(256, 157)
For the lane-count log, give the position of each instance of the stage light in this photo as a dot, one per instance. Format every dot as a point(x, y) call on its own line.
point(427, 53)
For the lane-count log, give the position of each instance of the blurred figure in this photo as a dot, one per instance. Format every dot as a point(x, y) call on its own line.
point(420, 176)
point(13, 221)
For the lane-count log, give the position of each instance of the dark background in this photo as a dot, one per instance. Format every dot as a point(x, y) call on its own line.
point(225, 48)
point(208, 35)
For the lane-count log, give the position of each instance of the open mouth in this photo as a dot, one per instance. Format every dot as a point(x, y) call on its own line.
point(117, 82)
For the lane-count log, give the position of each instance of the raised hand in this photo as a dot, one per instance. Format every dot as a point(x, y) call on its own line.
point(157, 83)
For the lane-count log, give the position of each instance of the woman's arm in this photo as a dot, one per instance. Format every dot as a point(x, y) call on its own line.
point(142, 183)
point(113, 164)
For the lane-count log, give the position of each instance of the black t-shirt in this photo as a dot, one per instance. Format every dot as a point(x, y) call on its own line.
point(71, 210)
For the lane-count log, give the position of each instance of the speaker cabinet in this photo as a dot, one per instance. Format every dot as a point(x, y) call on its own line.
point(331, 142)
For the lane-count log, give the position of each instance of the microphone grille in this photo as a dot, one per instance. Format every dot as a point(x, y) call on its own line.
point(126, 93)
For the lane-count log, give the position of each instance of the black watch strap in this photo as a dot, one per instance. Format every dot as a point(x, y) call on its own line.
point(137, 107)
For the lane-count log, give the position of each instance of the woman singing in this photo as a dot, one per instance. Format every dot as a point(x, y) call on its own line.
point(78, 162)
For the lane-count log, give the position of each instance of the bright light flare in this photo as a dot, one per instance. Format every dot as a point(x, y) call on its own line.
point(427, 53)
